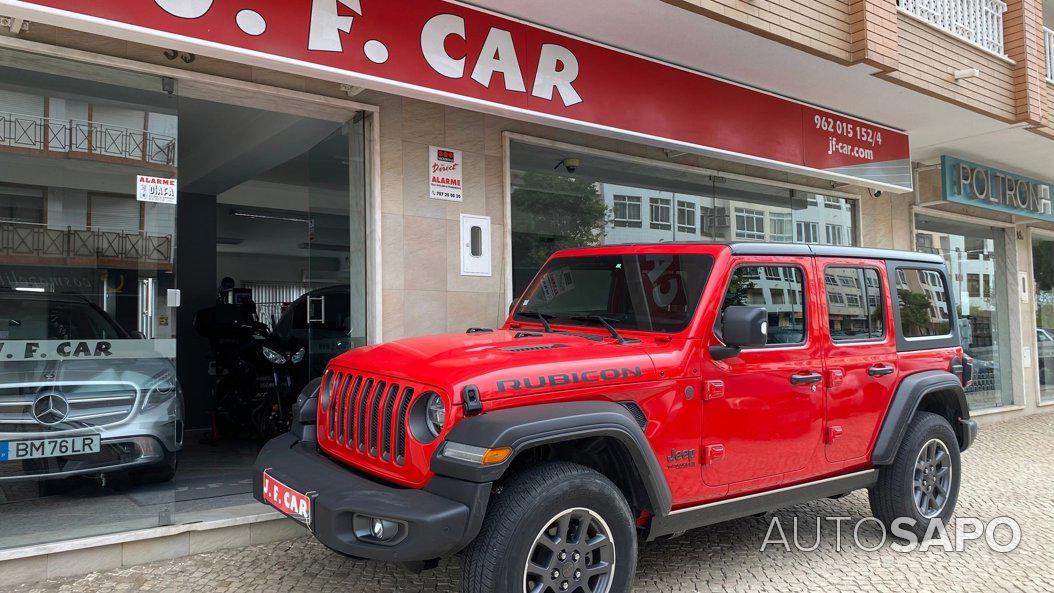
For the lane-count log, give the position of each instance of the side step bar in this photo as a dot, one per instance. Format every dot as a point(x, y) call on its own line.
point(744, 506)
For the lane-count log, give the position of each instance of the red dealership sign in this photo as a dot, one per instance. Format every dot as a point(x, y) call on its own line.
point(475, 58)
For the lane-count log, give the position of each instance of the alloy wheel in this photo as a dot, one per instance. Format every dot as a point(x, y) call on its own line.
point(932, 480)
point(573, 553)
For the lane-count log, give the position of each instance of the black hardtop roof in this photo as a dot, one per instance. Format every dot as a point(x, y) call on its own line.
point(797, 249)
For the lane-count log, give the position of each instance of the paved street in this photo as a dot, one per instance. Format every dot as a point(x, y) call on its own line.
point(1009, 472)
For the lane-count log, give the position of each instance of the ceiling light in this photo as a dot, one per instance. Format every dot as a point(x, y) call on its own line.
point(266, 216)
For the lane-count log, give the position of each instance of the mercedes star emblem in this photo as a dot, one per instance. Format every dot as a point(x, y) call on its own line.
point(50, 409)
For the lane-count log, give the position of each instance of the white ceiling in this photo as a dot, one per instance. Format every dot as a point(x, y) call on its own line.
point(657, 29)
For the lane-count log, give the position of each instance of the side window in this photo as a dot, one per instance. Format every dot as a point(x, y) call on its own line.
point(781, 290)
point(925, 311)
point(855, 307)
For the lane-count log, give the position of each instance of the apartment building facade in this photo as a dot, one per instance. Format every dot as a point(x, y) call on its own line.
point(405, 170)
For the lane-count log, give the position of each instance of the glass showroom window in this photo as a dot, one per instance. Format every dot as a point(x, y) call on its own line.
point(1043, 269)
point(750, 224)
point(660, 213)
point(975, 258)
point(604, 201)
point(685, 217)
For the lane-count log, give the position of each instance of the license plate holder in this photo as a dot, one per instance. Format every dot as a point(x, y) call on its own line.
point(291, 502)
point(55, 447)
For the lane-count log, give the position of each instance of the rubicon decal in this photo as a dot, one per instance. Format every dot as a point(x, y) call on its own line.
point(466, 56)
point(573, 378)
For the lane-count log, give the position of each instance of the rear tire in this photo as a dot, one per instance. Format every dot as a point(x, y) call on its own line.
point(554, 528)
point(923, 481)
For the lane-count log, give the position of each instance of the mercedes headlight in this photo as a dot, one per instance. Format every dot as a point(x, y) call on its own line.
point(161, 388)
point(298, 355)
point(272, 356)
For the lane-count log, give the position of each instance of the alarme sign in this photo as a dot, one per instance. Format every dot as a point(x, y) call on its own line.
point(466, 56)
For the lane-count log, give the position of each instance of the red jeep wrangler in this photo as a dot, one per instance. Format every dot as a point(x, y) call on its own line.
point(636, 392)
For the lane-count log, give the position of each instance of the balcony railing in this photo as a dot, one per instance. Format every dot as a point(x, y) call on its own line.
point(20, 239)
point(978, 21)
point(1049, 36)
point(94, 138)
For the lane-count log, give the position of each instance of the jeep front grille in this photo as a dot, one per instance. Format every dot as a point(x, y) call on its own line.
point(84, 404)
point(367, 415)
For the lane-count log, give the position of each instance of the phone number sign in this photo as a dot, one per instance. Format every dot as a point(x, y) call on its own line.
point(160, 190)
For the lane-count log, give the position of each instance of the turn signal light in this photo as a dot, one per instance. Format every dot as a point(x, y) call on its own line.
point(496, 455)
point(476, 455)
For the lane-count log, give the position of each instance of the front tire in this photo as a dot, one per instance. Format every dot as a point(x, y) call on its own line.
point(923, 481)
point(554, 528)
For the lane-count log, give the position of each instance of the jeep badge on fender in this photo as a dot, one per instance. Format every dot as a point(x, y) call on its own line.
point(545, 450)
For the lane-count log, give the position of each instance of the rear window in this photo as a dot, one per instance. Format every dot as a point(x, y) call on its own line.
point(647, 292)
point(40, 319)
point(855, 308)
point(925, 308)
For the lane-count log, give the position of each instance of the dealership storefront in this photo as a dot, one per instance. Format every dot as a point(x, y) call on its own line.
point(361, 176)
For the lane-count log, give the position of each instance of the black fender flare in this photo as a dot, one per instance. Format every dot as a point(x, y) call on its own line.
point(526, 427)
point(905, 404)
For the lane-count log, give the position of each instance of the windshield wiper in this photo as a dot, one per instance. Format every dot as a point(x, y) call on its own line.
point(607, 323)
point(542, 317)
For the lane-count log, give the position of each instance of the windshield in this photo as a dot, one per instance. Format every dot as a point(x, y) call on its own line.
point(649, 292)
point(42, 319)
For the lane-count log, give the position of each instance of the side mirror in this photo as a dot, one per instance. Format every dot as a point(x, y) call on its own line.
point(741, 327)
point(137, 335)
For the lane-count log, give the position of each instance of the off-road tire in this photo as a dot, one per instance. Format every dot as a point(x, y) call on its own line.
point(894, 495)
point(496, 562)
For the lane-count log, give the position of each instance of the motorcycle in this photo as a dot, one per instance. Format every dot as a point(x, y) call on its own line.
point(253, 392)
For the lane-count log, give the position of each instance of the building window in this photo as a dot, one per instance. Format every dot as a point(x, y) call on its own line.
point(973, 285)
point(806, 232)
point(750, 224)
point(835, 234)
point(780, 227)
point(685, 217)
point(659, 209)
point(627, 211)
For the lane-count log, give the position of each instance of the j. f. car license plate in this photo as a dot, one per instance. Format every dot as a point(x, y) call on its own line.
point(295, 504)
point(61, 447)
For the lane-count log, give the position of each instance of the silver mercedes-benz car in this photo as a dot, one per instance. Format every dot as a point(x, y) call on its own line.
point(81, 396)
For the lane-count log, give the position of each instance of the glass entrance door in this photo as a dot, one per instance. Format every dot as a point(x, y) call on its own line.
point(1043, 271)
point(976, 259)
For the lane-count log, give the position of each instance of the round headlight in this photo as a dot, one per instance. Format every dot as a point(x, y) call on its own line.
point(327, 390)
point(436, 414)
point(427, 417)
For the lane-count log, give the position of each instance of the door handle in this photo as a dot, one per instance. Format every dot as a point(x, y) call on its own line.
point(805, 378)
point(880, 370)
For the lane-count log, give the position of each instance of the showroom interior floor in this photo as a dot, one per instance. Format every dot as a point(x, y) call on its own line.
point(213, 481)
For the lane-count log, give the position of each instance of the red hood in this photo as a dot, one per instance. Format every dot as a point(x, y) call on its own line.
point(503, 365)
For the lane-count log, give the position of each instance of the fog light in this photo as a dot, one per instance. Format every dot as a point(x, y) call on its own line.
point(383, 529)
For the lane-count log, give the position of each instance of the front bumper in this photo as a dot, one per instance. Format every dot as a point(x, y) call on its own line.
point(437, 521)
